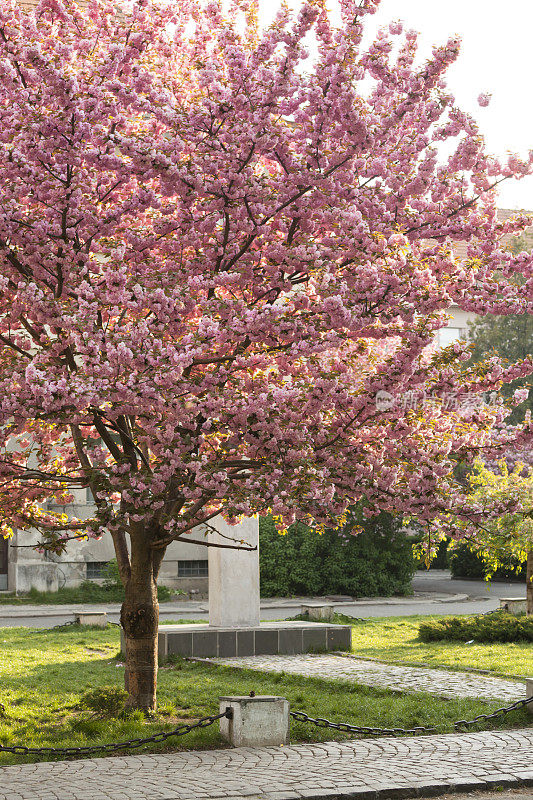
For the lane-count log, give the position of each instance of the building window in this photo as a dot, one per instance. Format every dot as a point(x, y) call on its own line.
point(447, 336)
point(96, 569)
point(192, 569)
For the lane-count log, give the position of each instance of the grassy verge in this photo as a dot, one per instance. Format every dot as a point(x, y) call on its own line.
point(395, 640)
point(43, 676)
point(86, 592)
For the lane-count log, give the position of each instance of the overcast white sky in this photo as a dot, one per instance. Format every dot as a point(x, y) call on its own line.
point(496, 57)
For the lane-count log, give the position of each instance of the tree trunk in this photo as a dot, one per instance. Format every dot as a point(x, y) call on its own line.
point(139, 618)
point(529, 583)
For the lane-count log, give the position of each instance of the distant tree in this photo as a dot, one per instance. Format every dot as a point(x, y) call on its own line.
point(502, 540)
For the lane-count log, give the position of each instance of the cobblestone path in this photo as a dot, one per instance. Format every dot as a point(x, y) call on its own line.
point(355, 770)
point(444, 683)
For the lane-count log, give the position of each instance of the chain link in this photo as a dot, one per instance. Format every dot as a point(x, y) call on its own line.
point(181, 730)
point(55, 627)
point(69, 624)
point(345, 727)
point(500, 712)
point(320, 722)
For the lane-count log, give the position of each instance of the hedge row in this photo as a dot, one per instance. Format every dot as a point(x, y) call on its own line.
point(498, 627)
point(376, 562)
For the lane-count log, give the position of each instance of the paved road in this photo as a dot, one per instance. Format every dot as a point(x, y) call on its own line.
point(435, 593)
point(440, 581)
point(354, 770)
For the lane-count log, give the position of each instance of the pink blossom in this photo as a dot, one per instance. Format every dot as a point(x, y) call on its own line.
point(520, 395)
point(217, 264)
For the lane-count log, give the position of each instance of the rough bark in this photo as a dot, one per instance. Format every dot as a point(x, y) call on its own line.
point(529, 583)
point(139, 618)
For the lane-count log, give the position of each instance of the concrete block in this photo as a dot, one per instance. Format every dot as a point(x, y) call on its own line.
point(245, 643)
point(339, 637)
point(179, 642)
point(513, 605)
point(315, 639)
point(227, 644)
point(270, 638)
point(162, 646)
point(92, 618)
point(290, 641)
point(205, 644)
point(261, 721)
point(266, 642)
point(318, 611)
point(529, 693)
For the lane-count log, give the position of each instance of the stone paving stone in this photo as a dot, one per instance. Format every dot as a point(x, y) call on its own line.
point(444, 683)
point(353, 770)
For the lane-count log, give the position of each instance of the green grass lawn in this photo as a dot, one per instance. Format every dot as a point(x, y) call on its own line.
point(395, 640)
point(43, 675)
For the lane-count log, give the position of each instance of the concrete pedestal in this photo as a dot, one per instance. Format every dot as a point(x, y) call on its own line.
point(318, 611)
point(98, 618)
point(234, 575)
point(261, 721)
point(513, 605)
point(268, 638)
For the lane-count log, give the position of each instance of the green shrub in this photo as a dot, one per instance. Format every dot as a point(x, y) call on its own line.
point(106, 701)
point(498, 627)
point(466, 564)
point(111, 574)
point(376, 562)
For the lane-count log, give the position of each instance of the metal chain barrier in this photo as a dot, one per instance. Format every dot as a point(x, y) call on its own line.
point(320, 722)
point(500, 712)
point(69, 624)
point(299, 716)
point(181, 730)
point(55, 627)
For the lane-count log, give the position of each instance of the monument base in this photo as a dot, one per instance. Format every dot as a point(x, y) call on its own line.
point(269, 638)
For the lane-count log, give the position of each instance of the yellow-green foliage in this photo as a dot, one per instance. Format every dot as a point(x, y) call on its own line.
point(501, 539)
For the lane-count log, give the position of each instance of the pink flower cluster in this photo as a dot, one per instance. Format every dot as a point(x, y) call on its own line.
point(212, 261)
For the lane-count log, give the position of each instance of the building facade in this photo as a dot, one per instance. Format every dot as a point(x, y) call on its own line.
point(22, 567)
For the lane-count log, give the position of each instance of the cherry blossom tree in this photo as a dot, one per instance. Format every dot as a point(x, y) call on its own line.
point(222, 264)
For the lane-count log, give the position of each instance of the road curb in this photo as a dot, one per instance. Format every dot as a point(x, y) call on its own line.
point(396, 792)
point(21, 611)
